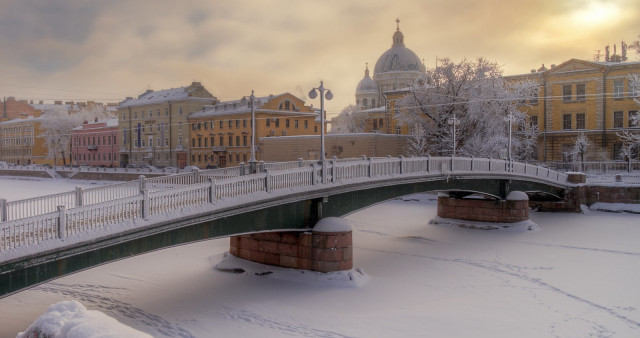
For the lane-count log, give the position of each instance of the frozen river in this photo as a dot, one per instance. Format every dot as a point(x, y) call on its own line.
point(576, 275)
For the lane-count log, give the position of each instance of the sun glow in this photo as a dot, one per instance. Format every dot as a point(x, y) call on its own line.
point(595, 12)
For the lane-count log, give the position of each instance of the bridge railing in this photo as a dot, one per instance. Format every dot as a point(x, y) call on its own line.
point(28, 222)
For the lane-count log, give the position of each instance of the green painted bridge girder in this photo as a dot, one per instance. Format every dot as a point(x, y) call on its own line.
point(294, 212)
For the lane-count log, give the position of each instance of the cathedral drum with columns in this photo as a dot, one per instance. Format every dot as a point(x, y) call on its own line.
point(395, 69)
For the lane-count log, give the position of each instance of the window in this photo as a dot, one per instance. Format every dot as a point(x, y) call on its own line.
point(278, 122)
point(381, 123)
point(566, 93)
point(237, 141)
point(534, 99)
point(268, 122)
point(212, 139)
point(237, 123)
point(205, 142)
point(580, 92)
point(230, 141)
point(580, 121)
point(199, 142)
point(286, 123)
point(244, 123)
point(295, 124)
point(617, 151)
point(618, 121)
point(364, 103)
point(221, 124)
point(230, 123)
point(306, 124)
point(617, 89)
point(375, 124)
point(221, 141)
point(193, 142)
point(533, 121)
point(634, 118)
point(566, 121)
point(244, 140)
point(166, 112)
point(634, 89)
point(179, 110)
point(315, 129)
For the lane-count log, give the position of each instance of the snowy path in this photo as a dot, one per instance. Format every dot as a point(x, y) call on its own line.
point(575, 276)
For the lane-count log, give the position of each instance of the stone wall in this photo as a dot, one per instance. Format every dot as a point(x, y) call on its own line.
point(589, 194)
point(483, 210)
point(316, 251)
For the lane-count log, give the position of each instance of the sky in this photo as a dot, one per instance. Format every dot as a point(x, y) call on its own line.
point(107, 50)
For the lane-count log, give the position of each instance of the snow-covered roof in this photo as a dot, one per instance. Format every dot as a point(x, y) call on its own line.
point(47, 106)
point(174, 94)
point(21, 120)
point(110, 123)
point(242, 106)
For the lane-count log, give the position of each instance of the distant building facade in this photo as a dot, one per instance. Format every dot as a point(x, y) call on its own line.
point(20, 142)
point(95, 143)
point(12, 109)
point(153, 128)
point(577, 96)
point(220, 135)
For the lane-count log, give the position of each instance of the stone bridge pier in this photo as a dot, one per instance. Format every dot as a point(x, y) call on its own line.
point(515, 208)
point(327, 247)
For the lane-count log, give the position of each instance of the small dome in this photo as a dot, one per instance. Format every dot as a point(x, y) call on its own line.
point(366, 85)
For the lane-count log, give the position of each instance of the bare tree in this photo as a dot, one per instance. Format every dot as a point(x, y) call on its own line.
point(580, 146)
point(473, 97)
point(350, 120)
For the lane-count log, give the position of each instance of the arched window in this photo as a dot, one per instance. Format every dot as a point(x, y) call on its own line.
point(364, 103)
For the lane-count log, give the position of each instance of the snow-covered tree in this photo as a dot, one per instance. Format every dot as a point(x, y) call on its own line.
point(580, 146)
point(475, 93)
point(350, 120)
point(417, 145)
point(631, 137)
point(57, 124)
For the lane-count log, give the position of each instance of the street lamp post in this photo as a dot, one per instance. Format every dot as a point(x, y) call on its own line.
point(312, 95)
point(252, 160)
point(510, 120)
point(454, 122)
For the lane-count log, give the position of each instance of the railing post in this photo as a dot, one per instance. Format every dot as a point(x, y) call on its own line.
point(212, 190)
point(314, 174)
point(324, 171)
point(300, 162)
point(451, 166)
point(62, 222)
point(145, 204)
point(628, 164)
point(196, 176)
point(370, 173)
point(334, 160)
point(79, 201)
point(489, 164)
point(142, 183)
point(472, 159)
point(3, 210)
point(242, 169)
point(401, 164)
point(260, 166)
point(267, 180)
point(428, 163)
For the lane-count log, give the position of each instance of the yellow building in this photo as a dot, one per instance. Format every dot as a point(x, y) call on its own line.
point(20, 142)
point(577, 96)
point(153, 128)
point(221, 133)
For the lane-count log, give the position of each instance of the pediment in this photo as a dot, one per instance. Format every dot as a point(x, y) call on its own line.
point(575, 65)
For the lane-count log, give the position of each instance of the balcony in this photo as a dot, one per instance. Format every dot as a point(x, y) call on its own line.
point(218, 148)
point(92, 147)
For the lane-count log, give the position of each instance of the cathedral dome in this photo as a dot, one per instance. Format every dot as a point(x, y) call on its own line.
point(367, 85)
point(398, 58)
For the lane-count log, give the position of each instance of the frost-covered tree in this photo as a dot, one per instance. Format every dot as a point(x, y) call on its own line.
point(580, 146)
point(350, 120)
point(56, 125)
point(475, 93)
point(59, 120)
point(631, 137)
point(417, 145)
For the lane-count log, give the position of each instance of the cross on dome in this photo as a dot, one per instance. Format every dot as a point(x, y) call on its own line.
point(397, 24)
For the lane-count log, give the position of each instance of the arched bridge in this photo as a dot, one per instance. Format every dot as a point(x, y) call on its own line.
point(51, 236)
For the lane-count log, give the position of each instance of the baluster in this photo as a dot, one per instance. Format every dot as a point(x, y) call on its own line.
point(62, 222)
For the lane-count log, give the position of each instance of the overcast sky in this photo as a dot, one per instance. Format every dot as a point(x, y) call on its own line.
point(107, 50)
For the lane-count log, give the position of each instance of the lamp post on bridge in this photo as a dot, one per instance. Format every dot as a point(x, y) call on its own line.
point(252, 159)
point(509, 119)
point(454, 122)
point(312, 95)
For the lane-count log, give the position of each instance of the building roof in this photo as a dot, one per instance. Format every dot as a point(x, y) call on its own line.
point(398, 58)
point(174, 94)
point(243, 106)
point(22, 120)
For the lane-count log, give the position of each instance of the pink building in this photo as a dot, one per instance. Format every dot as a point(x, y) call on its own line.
point(94, 143)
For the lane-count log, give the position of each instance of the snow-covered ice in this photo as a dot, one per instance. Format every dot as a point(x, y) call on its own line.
point(574, 275)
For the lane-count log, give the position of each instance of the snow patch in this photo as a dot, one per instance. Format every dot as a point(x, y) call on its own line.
point(340, 279)
point(332, 224)
point(527, 225)
point(72, 319)
point(517, 196)
point(616, 207)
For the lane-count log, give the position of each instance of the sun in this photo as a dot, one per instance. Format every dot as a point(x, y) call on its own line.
point(595, 12)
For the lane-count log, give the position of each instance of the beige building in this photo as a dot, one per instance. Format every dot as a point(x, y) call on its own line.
point(221, 133)
point(153, 127)
point(276, 149)
point(20, 142)
point(577, 96)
